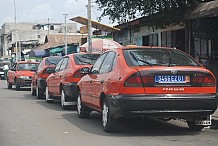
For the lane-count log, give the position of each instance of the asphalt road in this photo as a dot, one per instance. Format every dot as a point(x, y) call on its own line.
point(26, 121)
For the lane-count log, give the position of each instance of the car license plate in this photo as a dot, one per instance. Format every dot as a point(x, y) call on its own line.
point(172, 79)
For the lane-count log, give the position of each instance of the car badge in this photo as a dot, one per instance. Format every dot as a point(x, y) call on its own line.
point(174, 71)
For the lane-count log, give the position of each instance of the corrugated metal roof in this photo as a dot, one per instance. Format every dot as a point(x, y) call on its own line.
point(52, 41)
point(95, 24)
point(207, 9)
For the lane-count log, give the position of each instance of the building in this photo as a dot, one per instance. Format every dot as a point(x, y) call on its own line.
point(54, 44)
point(22, 37)
point(198, 36)
point(137, 32)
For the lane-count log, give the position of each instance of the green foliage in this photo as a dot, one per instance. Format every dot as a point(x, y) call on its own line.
point(164, 12)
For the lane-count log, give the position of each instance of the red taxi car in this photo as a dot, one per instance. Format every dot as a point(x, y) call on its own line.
point(63, 82)
point(158, 82)
point(45, 67)
point(20, 74)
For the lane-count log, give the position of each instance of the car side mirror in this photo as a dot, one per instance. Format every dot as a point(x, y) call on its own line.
point(85, 70)
point(49, 70)
point(13, 69)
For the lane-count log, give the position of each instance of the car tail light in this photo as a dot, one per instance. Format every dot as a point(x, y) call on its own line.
point(148, 80)
point(205, 80)
point(209, 80)
point(77, 74)
point(134, 80)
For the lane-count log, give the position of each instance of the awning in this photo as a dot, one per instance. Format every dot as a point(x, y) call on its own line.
point(56, 50)
point(95, 24)
point(207, 9)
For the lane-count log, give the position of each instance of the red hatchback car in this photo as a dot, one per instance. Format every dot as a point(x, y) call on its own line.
point(20, 74)
point(158, 82)
point(45, 67)
point(62, 83)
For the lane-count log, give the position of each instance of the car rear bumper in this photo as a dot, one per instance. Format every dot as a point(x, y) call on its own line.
point(70, 90)
point(160, 106)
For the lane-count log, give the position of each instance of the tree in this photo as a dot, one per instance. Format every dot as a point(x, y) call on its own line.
point(163, 12)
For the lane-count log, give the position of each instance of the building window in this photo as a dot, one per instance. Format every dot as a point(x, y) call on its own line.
point(201, 50)
point(153, 39)
point(166, 40)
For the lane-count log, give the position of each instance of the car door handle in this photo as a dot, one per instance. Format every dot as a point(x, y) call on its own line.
point(90, 81)
point(102, 81)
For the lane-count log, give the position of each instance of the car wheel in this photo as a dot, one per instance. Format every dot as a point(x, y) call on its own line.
point(82, 110)
point(193, 127)
point(9, 85)
point(63, 97)
point(47, 96)
point(17, 85)
point(108, 123)
point(33, 91)
point(39, 93)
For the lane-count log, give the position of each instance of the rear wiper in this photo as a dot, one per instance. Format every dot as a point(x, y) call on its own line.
point(137, 59)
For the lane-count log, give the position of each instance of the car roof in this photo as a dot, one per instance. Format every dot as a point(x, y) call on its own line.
point(29, 61)
point(81, 53)
point(143, 47)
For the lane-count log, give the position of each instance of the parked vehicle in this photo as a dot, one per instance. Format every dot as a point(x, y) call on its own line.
point(158, 82)
point(62, 83)
point(4, 67)
point(45, 68)
point(20, 74)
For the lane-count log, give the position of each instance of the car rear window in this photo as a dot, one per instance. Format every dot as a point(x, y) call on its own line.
point(52, 60)
point(26, 66)
point(158, 57)
point(82, 59)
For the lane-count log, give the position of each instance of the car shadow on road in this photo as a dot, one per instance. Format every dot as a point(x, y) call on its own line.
point(129, 127)
point(21, 89)
point(53, 105)
point(214, 125)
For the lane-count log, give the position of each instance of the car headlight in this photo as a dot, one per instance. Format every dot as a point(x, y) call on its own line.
point(23, 77)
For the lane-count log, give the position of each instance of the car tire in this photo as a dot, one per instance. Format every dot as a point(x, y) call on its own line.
point(193, 127)
point(82, 110)
point(17, 85)
point(9, 85)
point(108, 123)
point(47, 96)
point(39, 93)
point(33, 91)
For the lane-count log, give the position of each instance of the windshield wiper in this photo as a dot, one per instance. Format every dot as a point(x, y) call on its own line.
point(137, 59)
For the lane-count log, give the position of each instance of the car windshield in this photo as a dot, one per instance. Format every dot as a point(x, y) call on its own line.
point(26, 66)
point(158, 57)
point(52, 60)
point(82, 59)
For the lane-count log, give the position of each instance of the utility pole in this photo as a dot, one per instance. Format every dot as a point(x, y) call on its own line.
point(65, 33)
point(15, 28)
point(48, 26)
point(89, 26)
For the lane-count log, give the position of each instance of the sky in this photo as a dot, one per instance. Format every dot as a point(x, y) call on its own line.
point(39, 11)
